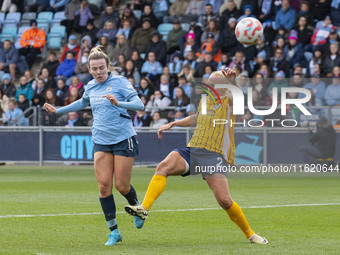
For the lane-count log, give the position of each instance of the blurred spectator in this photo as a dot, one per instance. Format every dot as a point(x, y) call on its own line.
point(260, 85)
point(76, 83)
point(183, 84)
point(333, 37)
point(322, 32)
point(332, 94)
point(128, 15)
point(224, 63)
point(269, 32)
point(131, 71)
point(165, 86)
point(137, 61)
point(81, 69)
point(32, 42)
point(148, 15)
point(23, 103)
point(85, 45)
point(335, 12)
point(318, 88)
point(71, 8)
point(181, 99)
point(91, 31)
point(45, 75)
point(208, 15)
point(31, 79)
point(178, 116)
point(160, 9)
point(174, 36)
point(216, 4)
point(109, 31)
point(157, 100)
point(73, 120)
point(158, 46)
point(285, 16)
point(24, 88)
point(72, 96)
point(61, 90)
point(194, 9)
point(177, 10)
point(211, 28)
point(304, 33)
point(145, 88)
point(279, 82)
point(197, 30)
point(41, 88)
point(188, 73)
point(248, 12)
point(243, 82)
point(227, 41)
point(57, 5)
point(333, 59)
point(52, 63)
point(4, 100)
point(120, 64)
point(230, 11)
point(157, 120)
point(66, 68)
point(253, 3)
point(126, 30)
point(14, 115)
point(278, 62)
point(323, 142)
point(316, 60)
point(11, 6)
point(207, 71)
point(240, 60)
point(8, 58)
point(207, 46)
point(305, 12)
point(110, 14)
point(142, 36)
point(208, 60)
point(190, 44)
point(52, 98)
point(107, 47)
point(293, 51)
point(175, 65)
point(151, 67)
point(38, 100)
point(190, 59)
point(82, 15)
point(7, 87)
point(320, 8)
point(71, 46)
point(141, 119)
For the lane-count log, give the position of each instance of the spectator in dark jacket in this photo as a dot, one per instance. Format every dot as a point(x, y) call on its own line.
point(109, 14)
point(320, 8)
point(304, 33)
point(7, 87)
point(323, 142)
point(227, 40)
point(230, 12)
point(142, 36)
point(37, 6)
point(148, 13)
point(158, 46)
point(52, 63)
point(333, 59)
point(61, 90)
point(8, 58)
point(207, 16)
point(278, 62)
point(253, 3)
point(91, 31)
point(293, 50)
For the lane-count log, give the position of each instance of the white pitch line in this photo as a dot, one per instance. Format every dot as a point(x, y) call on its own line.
point(174, 210)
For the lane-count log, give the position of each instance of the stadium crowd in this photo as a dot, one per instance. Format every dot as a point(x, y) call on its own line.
point(164, 48)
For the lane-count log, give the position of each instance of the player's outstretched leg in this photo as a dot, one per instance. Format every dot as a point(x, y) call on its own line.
point(173, 164)
point(219, 185)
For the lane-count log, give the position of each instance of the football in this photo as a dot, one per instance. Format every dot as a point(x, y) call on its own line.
point(249, 31)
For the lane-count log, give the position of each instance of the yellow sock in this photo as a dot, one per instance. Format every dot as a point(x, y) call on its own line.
point(156, 187)
point(236, 215)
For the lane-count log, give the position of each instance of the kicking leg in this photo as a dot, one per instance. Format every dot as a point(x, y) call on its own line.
point(218, 183)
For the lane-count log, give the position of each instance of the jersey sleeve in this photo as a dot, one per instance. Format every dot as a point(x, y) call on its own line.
point(126, 89)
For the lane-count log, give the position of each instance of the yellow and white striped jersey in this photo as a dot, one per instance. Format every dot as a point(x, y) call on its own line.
point(220, 138)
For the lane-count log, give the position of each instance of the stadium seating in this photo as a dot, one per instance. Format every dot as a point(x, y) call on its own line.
point(58, 17)
point(138, 14)
point(54, 42)
point(58, 30)
point(8, 33)
point(27, 17)
point(44, 19)
point(12, 19)
point(164, 29)
point(20, 32)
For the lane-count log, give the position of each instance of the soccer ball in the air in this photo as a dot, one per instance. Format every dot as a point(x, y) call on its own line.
point(248, 31)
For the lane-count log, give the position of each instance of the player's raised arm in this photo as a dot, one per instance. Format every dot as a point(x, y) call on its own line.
point(186, 122)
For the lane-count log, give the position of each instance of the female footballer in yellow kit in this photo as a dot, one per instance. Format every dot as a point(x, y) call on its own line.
point(209, 146)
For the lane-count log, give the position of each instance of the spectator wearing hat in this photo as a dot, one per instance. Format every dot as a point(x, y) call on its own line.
point(216, 5)
point(190, 44)
point(32, 42)
point(279, 82)
point(158, 46)
point(285, 16)
point(128, 15)
point(7, 87)
point(248, 12)
point(160, 9)
point(109, 31)
point(174, 36)
point(66, 68)
point(197, 30)
point(322, 32)
point(126, 30)
point(293, 50)
point(142, 36)
point(207, 46)
point(332, 94)
point(323, 142)
point(317, 87)
point(230, 11)
point(253, 3)
point(333, 59)
point(269, 32)
point(71, 8)
point(176, 10)
point(320, 8)
point(207, 16)
point(57, 5)
point(8, 58)
point(278, 62)
point(148, 14)
point(73, 46)
point(194, 9)
point(333, 37)
point(91, 31)
point(110, 14)
point(335, 12)
point(82, 15)
point(85, 45)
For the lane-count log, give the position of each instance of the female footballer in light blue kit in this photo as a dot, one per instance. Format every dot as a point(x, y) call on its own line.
point(115, 145)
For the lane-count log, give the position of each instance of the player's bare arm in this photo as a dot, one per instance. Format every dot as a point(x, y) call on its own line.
point(49, 108)
point(186, 122)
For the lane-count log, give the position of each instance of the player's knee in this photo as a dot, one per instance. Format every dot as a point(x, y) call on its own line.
point(105, 189)
point(225, 203)
point(163, 168)
point(122, 188)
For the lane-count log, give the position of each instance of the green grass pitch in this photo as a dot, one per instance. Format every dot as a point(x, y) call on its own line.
point(61, 190)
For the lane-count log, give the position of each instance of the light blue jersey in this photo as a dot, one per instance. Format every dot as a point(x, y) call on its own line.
point(112, 124)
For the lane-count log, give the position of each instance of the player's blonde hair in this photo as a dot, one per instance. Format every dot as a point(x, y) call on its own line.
point(98, 53)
